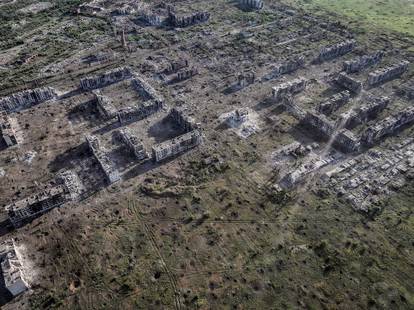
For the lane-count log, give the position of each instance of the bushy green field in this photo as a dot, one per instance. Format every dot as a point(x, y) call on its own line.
point(397, 15)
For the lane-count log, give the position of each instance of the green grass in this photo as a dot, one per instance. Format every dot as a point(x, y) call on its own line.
point(396, 15)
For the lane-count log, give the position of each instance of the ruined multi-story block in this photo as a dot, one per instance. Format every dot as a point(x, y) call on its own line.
point(29, 208)
point(187, 20)
point(150, 18)
point(334, 103)
point(349, 83)
point(388, 126)
point(251, 4)
point(185, 74)
point(111, 173)
point(244, 79)
point(133, 144)
point(327, 129)
point(365, 112)
point(285, 67)
point(334, 51)
point(174, 66)
point(389, 73)
point(407, 90)
point(105, 79)
point(360, 63)
point(105, 108)
point(11, 269)
point(7, 130)
point(144, 89)
point(141, 111)
point(177, 145)
point(27, 98)
point(289, 88)
point(183, 120)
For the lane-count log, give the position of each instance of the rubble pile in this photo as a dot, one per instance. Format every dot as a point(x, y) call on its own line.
point(105, 79)
point(174, 66)
point(334, 51)
point(237, 117)
point(185, 74)
point(389, 73)
point(133, 144)
point(27, 98)
point(288, 88)
point(71, 182)
point(245, 79)
point(360, 63)
point(111, 174)
point(334, 103)
point(349, 83)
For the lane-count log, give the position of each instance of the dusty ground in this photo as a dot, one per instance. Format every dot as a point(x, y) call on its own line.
point(202, 230)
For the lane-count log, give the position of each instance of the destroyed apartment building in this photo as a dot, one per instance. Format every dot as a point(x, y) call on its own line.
point(7, 130)
point(153, 102)
point(105, 108)
point(111, 173)
point(27, 98)
point(334, 103)
point(387, 74)
point(349, 83)
point(360, 63)
point(133, 144)
point(105, 79)
point(251, 4)
point(334, 51)
point(289, 88)
point(178, 145)
point(323, 128)
point(285, 67)
point(182, 21)
point(192, 138)
point(365, 112)
point(29, 208)
point(388, 126)
point(11, 269)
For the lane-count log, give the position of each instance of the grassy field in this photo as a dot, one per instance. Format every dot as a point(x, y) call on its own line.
point(396, 15)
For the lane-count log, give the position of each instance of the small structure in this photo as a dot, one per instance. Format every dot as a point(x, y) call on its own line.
point(11, 269)
point(177, 145)
point(389, 73)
